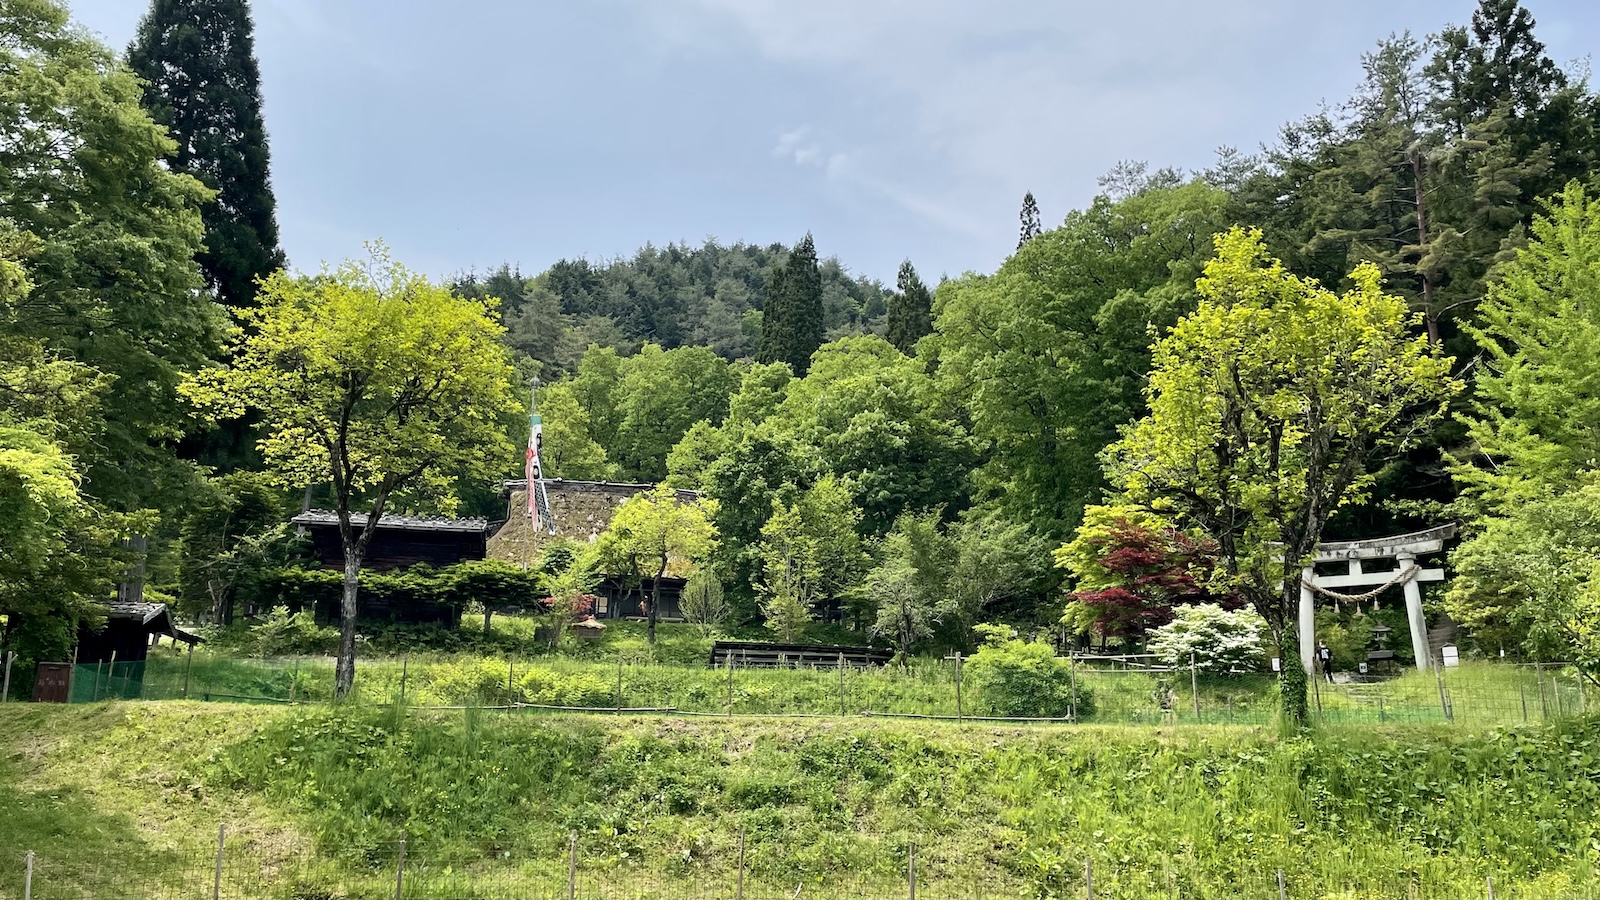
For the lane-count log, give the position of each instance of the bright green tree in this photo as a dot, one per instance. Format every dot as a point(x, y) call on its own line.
point(1271, 406)
point(569, 450)
point(811, 555)
point(652, 532)
point(1531, 479)
point(1048, 355)
point(377, 381)
point(59, 553)
point(115, 232)
point(197, 59)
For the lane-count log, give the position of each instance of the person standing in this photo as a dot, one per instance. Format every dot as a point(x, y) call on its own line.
point(1325, 657)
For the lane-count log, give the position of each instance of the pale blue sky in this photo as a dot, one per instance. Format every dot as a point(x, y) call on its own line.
point(480, 131)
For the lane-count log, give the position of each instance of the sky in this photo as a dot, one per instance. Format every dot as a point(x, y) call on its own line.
point(478, 132)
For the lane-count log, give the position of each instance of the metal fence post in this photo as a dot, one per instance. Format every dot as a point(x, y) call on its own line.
point(619, 681)
point(572, 866)
point(1194, 685)
point(841, 685)
point(1544, 705)
point(730, 685)
point(27, 877)
point(400, 871)
point(405, 663)
point(1283, 889)
point(189, 664)
point(1522, 694)
point(1072, 674)
point(739, 888)
point(216, 876)
point(1444, 705)
point(911, 868)
point(1490, 882)
point(1088, 879)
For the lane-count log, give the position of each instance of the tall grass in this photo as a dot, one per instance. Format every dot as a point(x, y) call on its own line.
point(1477, 694)
point(486, 802)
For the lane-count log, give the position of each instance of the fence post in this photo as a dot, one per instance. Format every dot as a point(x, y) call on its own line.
point(841, 684)
point(911, 868)
point(1522, 694)
point(1316, 691)
point(1490, 882)
point(619, 681)
point(400, 870)
point(1194, 685)
point(739, 888)
point(511, 667)
point(1072, 673)
point(572, 866)
point(730, 685)
point(1544, 706)
point(1088, 879)
point(1283, 889)
point(405, 663)
point(5, 692)
point(960, 713)
point(189, 664)
point(1444, 706)
point(27, 877)
point(216, 876)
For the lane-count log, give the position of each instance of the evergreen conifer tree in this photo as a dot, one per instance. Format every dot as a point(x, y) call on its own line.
point(776, 321)
point(197, 58)
point(1031, 227)
point(792, 318)
point(910, 311)
point(802, 281)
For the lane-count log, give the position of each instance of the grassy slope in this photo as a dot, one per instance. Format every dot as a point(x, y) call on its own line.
point(316, 797)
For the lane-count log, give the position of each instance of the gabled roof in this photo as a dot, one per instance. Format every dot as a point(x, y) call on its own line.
point(155, 618)
point(396, 522)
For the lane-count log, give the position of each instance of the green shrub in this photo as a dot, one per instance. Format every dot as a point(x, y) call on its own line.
point(1023, 679)
point(282, 633)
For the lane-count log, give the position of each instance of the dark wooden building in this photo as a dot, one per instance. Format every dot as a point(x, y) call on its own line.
point(126, 636)
point(401, 541)
point(619, 599)
point(116, 650)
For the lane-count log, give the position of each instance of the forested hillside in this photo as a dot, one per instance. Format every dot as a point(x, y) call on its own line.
point(675, 296)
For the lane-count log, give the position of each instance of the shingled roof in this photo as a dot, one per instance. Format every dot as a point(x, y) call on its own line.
point(397, 522)
point(155, 618)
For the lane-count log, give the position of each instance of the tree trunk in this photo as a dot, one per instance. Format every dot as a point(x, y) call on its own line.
point(487, 615)
point(344, 677)
point(655, 599)
point(1292, 682)
point(1429, 313)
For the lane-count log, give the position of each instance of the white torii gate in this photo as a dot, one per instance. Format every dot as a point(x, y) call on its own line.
point(1404, 549)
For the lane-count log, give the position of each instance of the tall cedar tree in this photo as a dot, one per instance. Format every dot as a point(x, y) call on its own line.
point(910, 311)
point(197, 58)
point(1031, 226)
point(792, 320)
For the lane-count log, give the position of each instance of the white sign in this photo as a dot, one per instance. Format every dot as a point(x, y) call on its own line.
point(1451, 657)
point(1277, 664)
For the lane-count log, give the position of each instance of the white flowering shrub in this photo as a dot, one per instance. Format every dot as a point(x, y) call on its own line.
point(1221, 641)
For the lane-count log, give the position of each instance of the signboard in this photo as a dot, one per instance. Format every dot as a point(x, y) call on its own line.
point(1451, 657)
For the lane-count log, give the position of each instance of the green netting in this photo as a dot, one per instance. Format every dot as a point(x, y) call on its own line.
point(107, 681)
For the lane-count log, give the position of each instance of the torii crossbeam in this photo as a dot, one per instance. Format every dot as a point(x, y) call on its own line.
point(1404, 549)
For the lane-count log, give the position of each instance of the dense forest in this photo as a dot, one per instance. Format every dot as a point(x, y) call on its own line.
point(917, 460)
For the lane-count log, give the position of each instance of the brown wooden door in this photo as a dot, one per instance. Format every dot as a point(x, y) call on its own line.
point(52, 683)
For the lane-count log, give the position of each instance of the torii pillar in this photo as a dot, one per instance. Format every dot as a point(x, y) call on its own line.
point(1404, 550)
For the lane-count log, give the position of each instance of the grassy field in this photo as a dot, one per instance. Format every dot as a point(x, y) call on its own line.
point(624, 671)
point(124, 799)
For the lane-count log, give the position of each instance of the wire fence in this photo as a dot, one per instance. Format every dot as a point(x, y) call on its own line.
point(252, 868)
point(1104, 690)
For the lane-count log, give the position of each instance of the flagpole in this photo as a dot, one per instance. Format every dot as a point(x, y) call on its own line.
point(528, 474)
